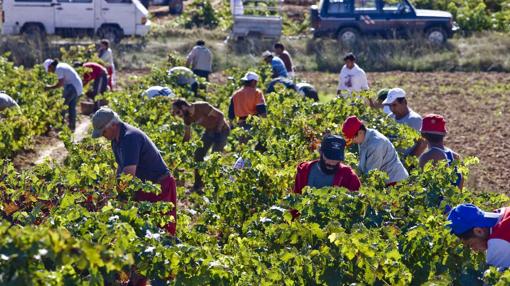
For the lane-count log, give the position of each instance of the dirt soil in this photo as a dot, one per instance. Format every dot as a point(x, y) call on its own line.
point(475, 106)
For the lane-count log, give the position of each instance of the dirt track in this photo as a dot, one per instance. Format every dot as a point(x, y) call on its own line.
point(475, 105)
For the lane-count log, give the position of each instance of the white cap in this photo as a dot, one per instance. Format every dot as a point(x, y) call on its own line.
point(393, 94)
point(154, 91)
point(250, 76)
point(266, 54)
point(47, 64)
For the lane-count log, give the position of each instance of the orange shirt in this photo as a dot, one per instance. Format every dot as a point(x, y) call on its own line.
point(246, 100)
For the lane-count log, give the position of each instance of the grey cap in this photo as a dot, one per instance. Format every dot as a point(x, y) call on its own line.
point(101, 119)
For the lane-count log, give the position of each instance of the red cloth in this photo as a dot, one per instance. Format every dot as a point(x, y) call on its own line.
point(168, 194)
point(93, 72)
point(434, 124)
point(344, 177)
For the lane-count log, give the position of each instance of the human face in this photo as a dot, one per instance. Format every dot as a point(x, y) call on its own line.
point(399, 109)
point(278, 51)
point(51, 69)
point(328, 166)
point(478, 242)
point(178, 112)
point(358, 138)
point(110, 132)
point(349, 64)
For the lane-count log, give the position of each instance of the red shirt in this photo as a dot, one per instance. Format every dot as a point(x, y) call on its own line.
point(92, 72)
point(344, 177)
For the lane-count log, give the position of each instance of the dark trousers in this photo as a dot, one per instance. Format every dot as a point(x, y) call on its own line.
point(202, 73)
point(216, 140)
point(99, 86)
point(70, 99)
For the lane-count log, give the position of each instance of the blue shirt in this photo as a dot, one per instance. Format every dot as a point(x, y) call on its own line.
point(278, 66)
point(135, 148)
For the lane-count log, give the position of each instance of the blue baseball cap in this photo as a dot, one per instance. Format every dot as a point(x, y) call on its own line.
point(467, 216)
point(332, 147)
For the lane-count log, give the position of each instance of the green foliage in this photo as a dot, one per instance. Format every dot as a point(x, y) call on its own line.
point(77, 224)
point(200, 13)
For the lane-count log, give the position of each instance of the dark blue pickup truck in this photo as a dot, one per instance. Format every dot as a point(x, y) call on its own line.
point(347, 20)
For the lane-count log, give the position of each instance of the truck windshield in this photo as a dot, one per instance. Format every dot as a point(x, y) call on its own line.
point(396, 6)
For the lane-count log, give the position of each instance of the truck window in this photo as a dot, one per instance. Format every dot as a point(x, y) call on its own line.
point(119, 1)
point(365, 5)
point(338, 7)
point(74, 1)
point(36, 1)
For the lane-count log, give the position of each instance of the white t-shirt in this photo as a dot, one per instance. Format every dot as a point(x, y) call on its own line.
point(355, 76)
point(154, 91)
point(70, 76)
point(6, 101)
point(107, 57)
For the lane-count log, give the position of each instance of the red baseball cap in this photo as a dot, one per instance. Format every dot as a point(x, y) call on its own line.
point(350, 127)
point(434, 124)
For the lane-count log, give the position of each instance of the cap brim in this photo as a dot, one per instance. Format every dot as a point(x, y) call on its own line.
point(97, 133)
point(332, 155)
point(490, 219)
point(387, 102)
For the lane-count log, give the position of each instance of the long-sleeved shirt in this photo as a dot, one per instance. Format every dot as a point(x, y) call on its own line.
point(278, 67)
point(200, 58)
point(377, 153)
point(353, 79)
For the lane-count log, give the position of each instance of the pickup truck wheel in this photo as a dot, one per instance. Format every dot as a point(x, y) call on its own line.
point(33, 31)
point(436, 35)
point(348, 35)
point(111, 33)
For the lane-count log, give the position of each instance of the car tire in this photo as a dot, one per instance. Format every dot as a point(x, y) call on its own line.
point(348, 35)
point(33, 31)
point(436, 35)
point(111, 33)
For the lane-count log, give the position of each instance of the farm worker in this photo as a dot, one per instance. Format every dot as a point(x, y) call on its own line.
point(136, 155)
point(482, 231)
point(352, 78)
point(281, 52)
point(73, 86)
point(7, 102)
point(376, 152)
point(307, 90)
point(106, 55)
point(157, 90)
point(434, 130)
point(96, 73)
point(396, 100)
point(184, 77)
point(247, 101)
point(277, 65)
point(286, 82)
point(381, 95)
point(328, 170)
point(200, 60)
point(214, 123)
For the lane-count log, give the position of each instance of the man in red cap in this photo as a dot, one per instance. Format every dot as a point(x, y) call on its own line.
point(434, 130)
point(376, 152)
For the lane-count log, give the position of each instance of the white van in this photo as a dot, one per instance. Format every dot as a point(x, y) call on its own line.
point(110, 19)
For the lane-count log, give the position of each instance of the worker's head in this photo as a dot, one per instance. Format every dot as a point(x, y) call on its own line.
point(267, 56)
point(104, 44)
point(250, 79)
point(50, 65)
point(106, 123)
point(349, 60)
point(332, 153)
point(382, 94)
point(472, 225)
point(396, 100)
point(200, 43)
point(433, 128)
point(353, 130)
point(180, 107)
point(77, 64)
point(279, 48)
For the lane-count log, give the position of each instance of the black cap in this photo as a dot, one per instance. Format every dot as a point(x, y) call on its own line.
point(332, 147)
